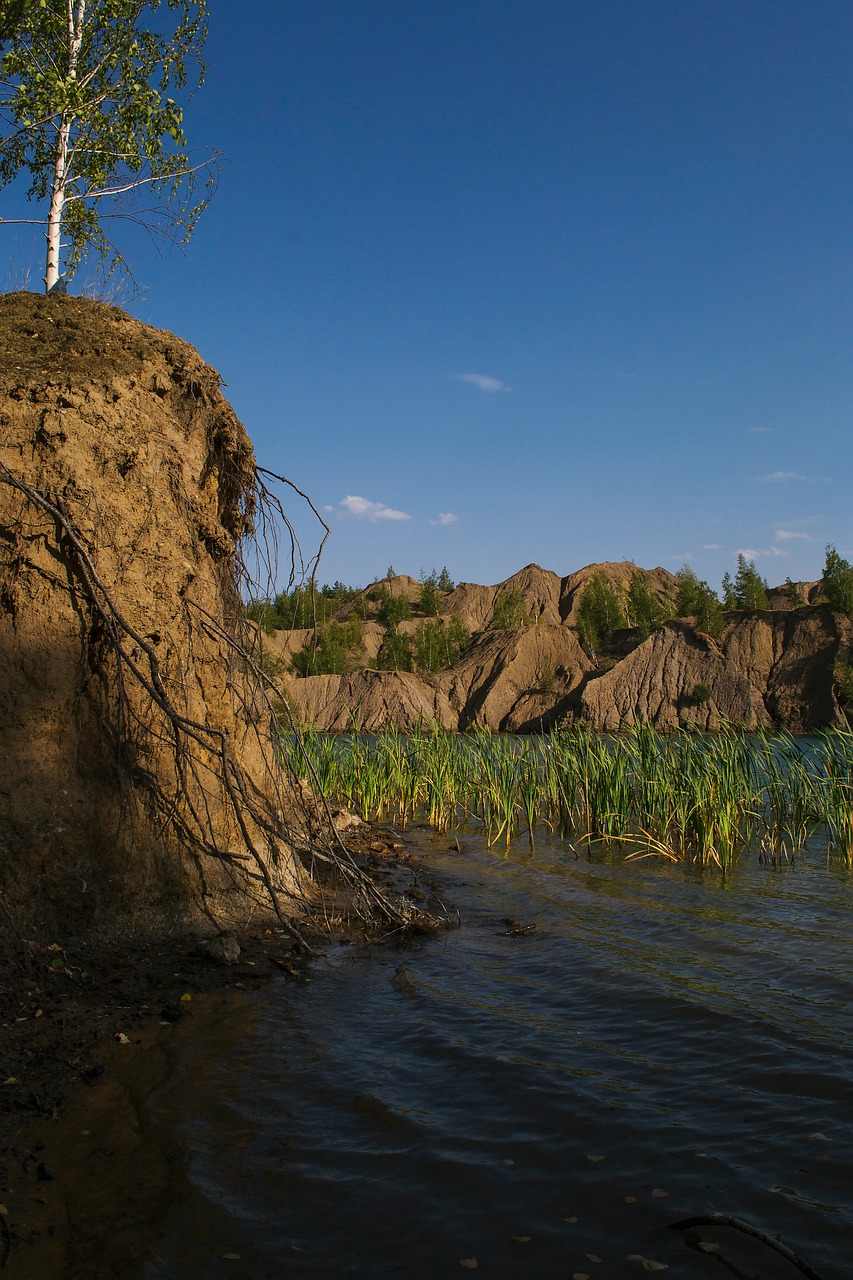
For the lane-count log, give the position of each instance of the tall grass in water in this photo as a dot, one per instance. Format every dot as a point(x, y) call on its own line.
point(834, 809)
point(686, 796)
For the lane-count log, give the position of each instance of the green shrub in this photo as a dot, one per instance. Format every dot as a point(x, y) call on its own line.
point(262, 612)
point(793, 594)
point(334, 650)
point(393, 609)
point(696, 600)
point(645, 611)
point(305, 606)
point(701, 694)
point(837, 586)
point(438, 645)
point(429, 601)
point(508, 610)
point(396, 653)
point(749, 589)
point(547, 679)
point(272, 664)
point(843, 677)
point(600, 610)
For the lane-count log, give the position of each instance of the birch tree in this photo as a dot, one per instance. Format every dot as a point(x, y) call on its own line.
point(86, 113)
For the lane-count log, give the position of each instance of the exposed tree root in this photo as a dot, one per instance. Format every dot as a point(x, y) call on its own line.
point(204, 773)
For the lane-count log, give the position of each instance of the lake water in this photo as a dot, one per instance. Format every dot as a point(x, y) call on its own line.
point(666, 1043)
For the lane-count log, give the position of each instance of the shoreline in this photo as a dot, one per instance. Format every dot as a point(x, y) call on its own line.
point(74, 1018)
point(65, 1044)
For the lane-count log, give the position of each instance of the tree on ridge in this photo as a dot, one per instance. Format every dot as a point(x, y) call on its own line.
point(837, 586)
point(749, 589)
point(697, 600)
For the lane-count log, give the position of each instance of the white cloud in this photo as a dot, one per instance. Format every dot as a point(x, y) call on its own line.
point(482, 381)
point(785, 535)
point(447, 517)
point(363, 509)
point(711, 546)
point(782, 477)
point(328, 508)
point(762, 553)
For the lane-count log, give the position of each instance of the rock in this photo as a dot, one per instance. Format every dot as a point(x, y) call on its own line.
point(403, 982)
point(540, 594)
point(810, 593)
point(223, 949)
point(753, 643)
point(368, 700)
point(343, 820)
point(400, 584)
point(789, 657)
point(800, 688)
point(657, 685)
point(518, 680)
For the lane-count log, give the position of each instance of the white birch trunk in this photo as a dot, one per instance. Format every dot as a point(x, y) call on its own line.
point(59, 185)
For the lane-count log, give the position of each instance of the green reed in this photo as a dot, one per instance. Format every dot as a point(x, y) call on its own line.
point(706, 798)
point(834, 797)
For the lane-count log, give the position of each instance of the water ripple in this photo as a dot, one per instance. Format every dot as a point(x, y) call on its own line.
point(666, 1043)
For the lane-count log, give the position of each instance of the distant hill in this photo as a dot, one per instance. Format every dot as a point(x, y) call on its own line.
point(785, 665)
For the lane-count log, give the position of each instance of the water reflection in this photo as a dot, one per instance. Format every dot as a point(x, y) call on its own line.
point(668, 1042)
point(662, 1031)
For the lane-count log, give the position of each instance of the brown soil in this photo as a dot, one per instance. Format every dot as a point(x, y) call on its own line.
point(118, 436)
point(143, 782)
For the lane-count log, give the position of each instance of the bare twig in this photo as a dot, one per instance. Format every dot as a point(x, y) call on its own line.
point(724, 1220)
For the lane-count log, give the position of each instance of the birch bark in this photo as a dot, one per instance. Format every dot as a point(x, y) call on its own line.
point(59, 185)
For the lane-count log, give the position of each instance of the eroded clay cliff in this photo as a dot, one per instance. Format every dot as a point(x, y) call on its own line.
point(517, 680)
point(367, 701)
point(139, 777)
point(771, 667)
point(675, 678)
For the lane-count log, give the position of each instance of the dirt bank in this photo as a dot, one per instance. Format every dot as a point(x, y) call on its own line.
point(145, 782)
point(146, 800)
point(127, 486)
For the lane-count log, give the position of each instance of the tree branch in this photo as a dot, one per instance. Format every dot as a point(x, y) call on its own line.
point(724, 1220)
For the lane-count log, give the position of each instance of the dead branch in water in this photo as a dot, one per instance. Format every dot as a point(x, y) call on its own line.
point(725, 1220)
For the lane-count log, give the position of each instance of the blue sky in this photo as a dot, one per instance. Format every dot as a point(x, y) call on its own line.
point(560, 281)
